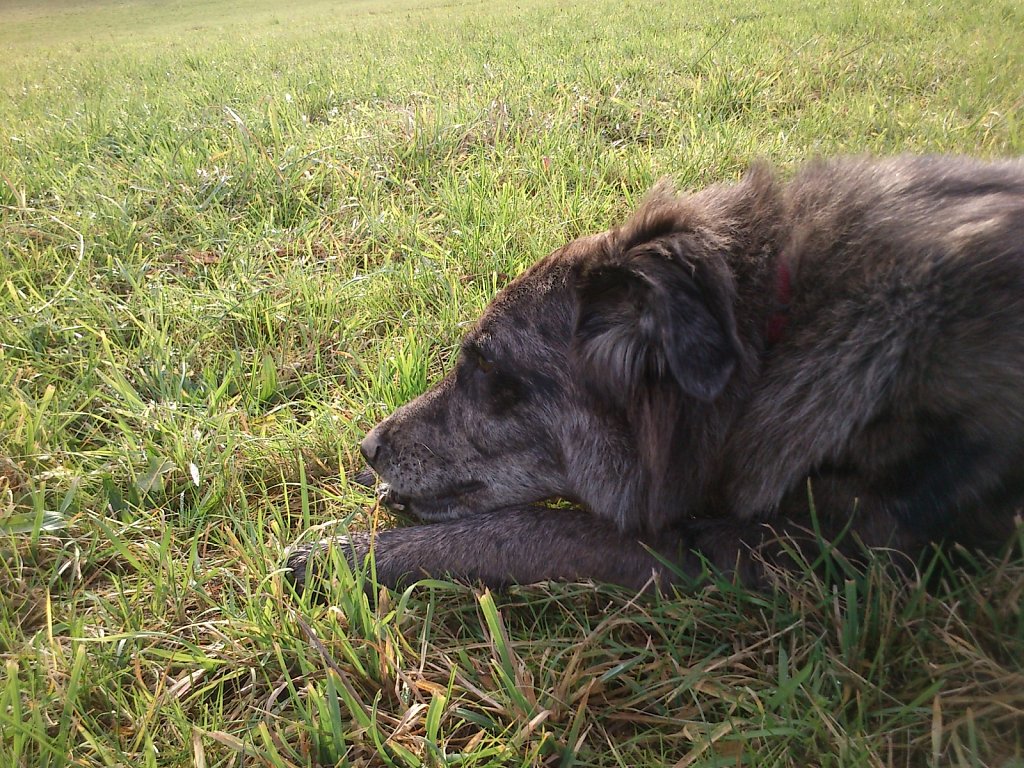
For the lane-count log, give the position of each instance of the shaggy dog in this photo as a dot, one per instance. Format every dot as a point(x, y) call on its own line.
point(723, 373)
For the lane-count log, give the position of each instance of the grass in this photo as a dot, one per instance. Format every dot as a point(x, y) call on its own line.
point(235, 235)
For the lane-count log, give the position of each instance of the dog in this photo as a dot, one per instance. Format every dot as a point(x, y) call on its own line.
point(727, 371)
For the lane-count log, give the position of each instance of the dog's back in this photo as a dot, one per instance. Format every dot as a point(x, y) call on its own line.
point(900, 388)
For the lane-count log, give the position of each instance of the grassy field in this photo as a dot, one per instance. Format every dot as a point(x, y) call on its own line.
point(234, 235)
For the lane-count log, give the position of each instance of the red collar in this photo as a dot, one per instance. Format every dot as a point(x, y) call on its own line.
point(775, 327)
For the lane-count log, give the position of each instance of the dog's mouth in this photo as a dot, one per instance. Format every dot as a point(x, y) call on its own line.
point(446, 505)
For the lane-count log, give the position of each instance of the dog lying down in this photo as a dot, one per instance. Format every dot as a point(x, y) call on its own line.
point(702, 377)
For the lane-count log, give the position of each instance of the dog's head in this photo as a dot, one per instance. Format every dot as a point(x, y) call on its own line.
point(585, 378)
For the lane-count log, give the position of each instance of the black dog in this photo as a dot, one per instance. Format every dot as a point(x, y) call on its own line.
point(682, 377)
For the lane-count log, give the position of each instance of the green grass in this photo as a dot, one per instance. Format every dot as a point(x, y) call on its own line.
point(234, 235)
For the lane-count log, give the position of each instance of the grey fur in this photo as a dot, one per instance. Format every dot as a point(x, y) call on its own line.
point(629, 371)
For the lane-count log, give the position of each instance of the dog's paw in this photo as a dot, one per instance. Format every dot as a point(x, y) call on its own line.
point(309, 563)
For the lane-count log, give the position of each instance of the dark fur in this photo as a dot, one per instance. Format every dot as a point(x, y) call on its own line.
point(630, 371)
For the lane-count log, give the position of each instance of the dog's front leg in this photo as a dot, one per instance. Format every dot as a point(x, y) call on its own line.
point(519, 545)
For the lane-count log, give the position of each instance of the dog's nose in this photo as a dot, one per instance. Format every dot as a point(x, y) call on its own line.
point(370, 447)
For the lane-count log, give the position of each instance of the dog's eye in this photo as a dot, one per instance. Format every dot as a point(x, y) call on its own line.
point(483, 364)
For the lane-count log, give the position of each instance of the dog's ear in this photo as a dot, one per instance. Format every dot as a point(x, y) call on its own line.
point(649, 318)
